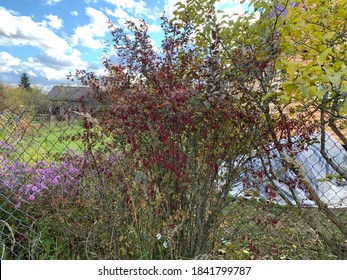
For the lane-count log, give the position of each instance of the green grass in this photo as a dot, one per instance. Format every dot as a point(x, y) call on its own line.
point(43, 141)
point(259, 230)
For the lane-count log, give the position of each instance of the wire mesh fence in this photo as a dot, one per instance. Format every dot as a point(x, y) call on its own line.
point(28, 143)
point(66, 196)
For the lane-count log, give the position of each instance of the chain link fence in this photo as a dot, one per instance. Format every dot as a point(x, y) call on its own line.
point(56, 203)
point(29, 145)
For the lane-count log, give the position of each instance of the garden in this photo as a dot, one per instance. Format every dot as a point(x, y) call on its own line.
point(187, 153)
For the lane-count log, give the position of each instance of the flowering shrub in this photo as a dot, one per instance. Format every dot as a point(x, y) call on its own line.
point(60, 200)
point(24, 183)
point(177, 122)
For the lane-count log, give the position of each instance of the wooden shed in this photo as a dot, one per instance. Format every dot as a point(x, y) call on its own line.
point(67, 98)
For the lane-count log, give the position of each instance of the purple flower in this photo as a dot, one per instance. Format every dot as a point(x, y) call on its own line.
point(56, 181)
point(63, 175)
point(28, 188)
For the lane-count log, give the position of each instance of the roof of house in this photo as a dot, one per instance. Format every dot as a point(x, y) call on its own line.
point(69, 93)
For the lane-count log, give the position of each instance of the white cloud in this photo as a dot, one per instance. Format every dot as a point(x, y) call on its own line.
point(54, 21)
point(18, 30)
point(52, 2)
point(169, 6)
point(97, 27)
point(74, 13)
point(152, 28)
point(7, 61)
point(55, 66)
point(50, 65)
point(137, 6)
point(137, 9)
point(55, 57)
point(234, 11)
point(121, 15)
point(59, 61)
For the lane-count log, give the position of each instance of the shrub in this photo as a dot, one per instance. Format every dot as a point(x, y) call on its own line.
point(177, 124)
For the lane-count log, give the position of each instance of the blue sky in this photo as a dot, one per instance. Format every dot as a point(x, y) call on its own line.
point(49, 38)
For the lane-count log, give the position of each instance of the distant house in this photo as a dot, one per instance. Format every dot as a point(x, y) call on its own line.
point(67, 98)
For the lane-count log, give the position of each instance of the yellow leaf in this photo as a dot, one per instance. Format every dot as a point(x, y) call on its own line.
point(221, 252)
point(291, 67)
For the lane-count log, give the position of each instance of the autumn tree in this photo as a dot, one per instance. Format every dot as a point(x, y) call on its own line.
point(35, 101)
point(2, 96)
point(17, 99)
point(313, 41)
point(11, 98)
point(314, 61)
point(291, 54)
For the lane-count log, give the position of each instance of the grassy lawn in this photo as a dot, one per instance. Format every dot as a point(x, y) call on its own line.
point(40, 141)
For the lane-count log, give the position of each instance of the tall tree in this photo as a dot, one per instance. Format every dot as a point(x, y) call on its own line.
point(25, 81)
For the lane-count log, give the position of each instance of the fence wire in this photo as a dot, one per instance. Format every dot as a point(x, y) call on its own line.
point(27, 142)
point(48, 191)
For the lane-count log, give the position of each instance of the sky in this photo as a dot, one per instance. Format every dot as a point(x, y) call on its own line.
point(47, 39)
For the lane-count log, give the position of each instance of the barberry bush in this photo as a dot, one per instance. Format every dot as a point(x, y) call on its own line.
point(179, 122)
point(192, 114)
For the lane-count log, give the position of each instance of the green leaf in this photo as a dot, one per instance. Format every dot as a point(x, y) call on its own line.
point(207, 104)
point(336, 79)
point(290, 87)
point(328, 35)
point(195, 101)
point(323, 55)
point(269, 95)
point(321, 93)
point(179, 5)
point(285, 98)
point(344, 108)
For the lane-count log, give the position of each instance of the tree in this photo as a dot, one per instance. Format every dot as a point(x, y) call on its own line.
point(25, 81)
point(287, 65)
point(315, 63)
point(2, 97)
point(19, 99)
point(315, 67)
point(35, 101)
point(12, 98)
